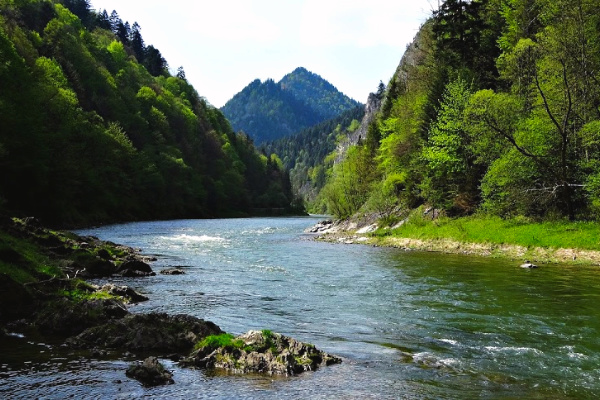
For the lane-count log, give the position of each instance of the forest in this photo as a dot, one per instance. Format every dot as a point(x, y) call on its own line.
point(270, 110)
point(96, 129)
point(494, 109)
point(308, 153)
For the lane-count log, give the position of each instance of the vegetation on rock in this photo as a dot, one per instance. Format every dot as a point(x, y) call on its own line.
point(259, 352)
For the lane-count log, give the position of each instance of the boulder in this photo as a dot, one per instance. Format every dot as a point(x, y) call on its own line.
point(123, 291)
point(97, 268)
point(104, 254)
point(135, 268)
point(321, 226)
point(150, 373)
point(261, 352)
point(149, 333)
point(66, 317)
point(528, 264)
point(172, 271)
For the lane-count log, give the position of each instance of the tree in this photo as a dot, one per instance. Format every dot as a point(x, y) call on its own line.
point(103, 20)
point(555, 95)
point(154, 61)
point(137, 42)
point(452, 179)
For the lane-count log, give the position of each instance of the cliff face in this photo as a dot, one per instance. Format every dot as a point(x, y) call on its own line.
point(371, 109)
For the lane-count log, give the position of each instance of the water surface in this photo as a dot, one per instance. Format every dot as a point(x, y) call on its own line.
point(408, 325)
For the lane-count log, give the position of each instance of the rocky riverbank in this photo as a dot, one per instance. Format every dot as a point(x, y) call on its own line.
point(43, 294)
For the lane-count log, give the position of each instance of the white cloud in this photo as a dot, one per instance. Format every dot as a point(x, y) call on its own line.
point(360, 23)
point(234, 20)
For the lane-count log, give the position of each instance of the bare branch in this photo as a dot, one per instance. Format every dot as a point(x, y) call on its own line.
point(546, 105)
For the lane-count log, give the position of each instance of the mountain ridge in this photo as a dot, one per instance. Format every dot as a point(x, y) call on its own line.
point(269, 110)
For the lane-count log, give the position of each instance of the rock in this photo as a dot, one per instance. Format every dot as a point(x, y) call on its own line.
point(172, 271)
point(123, 291)
point(135, 268)
point(321, 226)
point(528, 264)
point(104, 254)
point(15, 301)
point(155, 332)
point(98, 268)
point(67, 317)
point(368, 229)
point(262, 352)
point(150, 373)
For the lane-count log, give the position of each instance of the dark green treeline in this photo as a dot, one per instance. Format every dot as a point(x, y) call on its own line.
point(93, 127)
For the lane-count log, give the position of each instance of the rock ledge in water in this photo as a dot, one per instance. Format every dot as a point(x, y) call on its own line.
point(172, 271)
point(150, 373)
point(155, 332)
point(260, 352)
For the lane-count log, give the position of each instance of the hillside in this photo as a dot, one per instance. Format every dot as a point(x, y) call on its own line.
point(96, 129)
point(493, 110)
point(268, 110)
point(304, 153)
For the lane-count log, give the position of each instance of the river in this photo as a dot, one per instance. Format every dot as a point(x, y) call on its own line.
point(408, 325)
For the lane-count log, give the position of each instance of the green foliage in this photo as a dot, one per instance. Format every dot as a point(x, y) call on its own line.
point(350, 183)
point(305, 152)
point(23, 261)
point(493, 107)
point(90, 134)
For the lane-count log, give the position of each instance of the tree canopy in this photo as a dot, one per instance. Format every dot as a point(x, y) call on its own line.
point(494, 108)
point(96, 129)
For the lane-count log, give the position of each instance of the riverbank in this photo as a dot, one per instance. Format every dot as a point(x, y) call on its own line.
point(517, 239)
point(44, 295)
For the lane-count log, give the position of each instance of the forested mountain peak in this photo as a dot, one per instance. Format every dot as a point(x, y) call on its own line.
point(268, 110)
point(321, 95)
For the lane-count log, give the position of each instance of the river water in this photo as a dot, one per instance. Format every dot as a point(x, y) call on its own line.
point(408, 325)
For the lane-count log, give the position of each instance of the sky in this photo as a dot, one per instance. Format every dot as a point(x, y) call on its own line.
point(223, 45)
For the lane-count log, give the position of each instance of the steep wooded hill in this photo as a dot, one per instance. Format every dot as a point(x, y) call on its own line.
point(494, 109)
point(96, 129)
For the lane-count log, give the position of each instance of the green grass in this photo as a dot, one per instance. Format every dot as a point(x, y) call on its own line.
point(30, 264)
point(228, 342)
point(487, 229)
point(224, 340)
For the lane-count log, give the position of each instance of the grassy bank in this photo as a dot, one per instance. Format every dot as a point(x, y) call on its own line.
point(519, 231)
point(518, 238)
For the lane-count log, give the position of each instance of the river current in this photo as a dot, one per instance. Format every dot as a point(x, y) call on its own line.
point(408, 325)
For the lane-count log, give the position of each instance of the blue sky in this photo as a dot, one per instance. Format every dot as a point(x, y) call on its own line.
point(223, 45)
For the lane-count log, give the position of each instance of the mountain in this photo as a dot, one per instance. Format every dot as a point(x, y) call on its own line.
point(317, 93)
point(269, 110)
point(95, 129)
